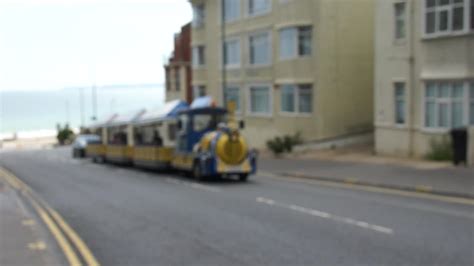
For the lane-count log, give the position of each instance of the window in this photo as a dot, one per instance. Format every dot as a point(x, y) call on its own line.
point(296, 98)
point(232, 94)
point(472, 14)
point(260, 100)
point(172, 129)
point(203, 122)
point(400, 20)
point(177, 79)
point(168, 79)
point(231, 10)
point(257, 7)
point(260, 50)
point(199, 56)
point(231, 52)
point(445, 106)
point(447, 16)
point(199, 91)
point(295, 42)
point(400, 103)
point(198, 15)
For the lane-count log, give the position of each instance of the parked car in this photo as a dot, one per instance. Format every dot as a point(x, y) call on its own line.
point(80, 143)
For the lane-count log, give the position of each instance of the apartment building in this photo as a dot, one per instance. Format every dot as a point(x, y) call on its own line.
point(178, 73)
point(290, 65)
point(424, 72)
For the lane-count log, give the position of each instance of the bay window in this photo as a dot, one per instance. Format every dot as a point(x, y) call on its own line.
point(295, 42)
point(231, 10)
point(198, 16)
point(258, 7)
point(260, 100)
point(296, 99)
point(446, 105)
point(448, 16)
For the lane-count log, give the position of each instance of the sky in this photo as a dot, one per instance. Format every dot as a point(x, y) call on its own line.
point(55, 44)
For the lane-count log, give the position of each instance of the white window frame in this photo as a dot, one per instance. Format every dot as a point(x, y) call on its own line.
point(198, 22)
point(197, 89)
point(296, 53)
point(239, 108)
point(227, 40)
point(249, 102)
point(261, 13)
point(296, 99)
point(396, 100)
point(449, 32)
point(449, 101)
point(397, 19)
point(223, 19)
point(270, 48)
point(196, 62)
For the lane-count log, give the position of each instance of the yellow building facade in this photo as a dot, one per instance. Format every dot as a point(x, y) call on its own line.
point(424, 72)
point(291, 65)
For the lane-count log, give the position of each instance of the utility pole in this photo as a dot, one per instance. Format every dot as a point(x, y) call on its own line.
point(81, 105)
point(67, 112)
point(224, 70)
point(94, 103)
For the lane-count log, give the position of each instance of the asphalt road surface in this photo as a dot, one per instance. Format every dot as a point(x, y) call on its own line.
point(135, 217)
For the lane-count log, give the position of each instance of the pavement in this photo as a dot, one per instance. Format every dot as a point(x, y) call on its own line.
point(128, 216)
point(448, 180)
point(24, 238)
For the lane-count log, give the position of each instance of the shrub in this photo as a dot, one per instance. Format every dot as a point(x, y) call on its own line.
point(64, 135)
point(440, 149)
point(279, 145)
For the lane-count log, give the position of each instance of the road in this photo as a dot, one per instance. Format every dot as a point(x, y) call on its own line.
point(135, 217)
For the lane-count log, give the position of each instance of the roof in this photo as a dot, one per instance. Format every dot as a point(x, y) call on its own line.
point(169, 110)
point(127, 118)
point(103, 122)
point(204, 105)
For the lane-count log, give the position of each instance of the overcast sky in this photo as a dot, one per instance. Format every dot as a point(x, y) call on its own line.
point(52, 44)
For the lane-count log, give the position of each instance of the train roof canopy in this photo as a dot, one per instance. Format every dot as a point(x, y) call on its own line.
point(103, 122)
point(168, 111)
point(127, 118)
point(204, 104)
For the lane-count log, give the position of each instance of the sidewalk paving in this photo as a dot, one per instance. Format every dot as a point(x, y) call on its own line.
point(23, 239)
point(447, 180)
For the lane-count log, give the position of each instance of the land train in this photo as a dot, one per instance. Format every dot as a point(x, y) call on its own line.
point(201, 139)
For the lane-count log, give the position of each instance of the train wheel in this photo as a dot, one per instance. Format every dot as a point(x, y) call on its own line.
point(243, 177)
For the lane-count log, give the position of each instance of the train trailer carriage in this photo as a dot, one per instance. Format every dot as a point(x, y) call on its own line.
point(209, 143)
point(96, 150)
point(155, 136)
point(120, 141)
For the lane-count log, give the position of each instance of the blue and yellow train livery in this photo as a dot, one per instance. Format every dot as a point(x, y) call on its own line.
point(209, 143)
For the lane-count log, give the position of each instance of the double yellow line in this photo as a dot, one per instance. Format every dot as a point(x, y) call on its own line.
point(61, 231)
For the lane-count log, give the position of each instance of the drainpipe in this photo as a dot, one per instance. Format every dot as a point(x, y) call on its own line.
point(412, 69)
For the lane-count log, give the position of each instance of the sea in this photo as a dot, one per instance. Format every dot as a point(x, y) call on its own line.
point(27, 114)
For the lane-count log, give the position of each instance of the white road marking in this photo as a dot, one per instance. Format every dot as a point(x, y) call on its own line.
point(325, 215)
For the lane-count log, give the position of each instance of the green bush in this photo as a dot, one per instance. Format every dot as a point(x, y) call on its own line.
point(440, 149)
point(279, 145)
